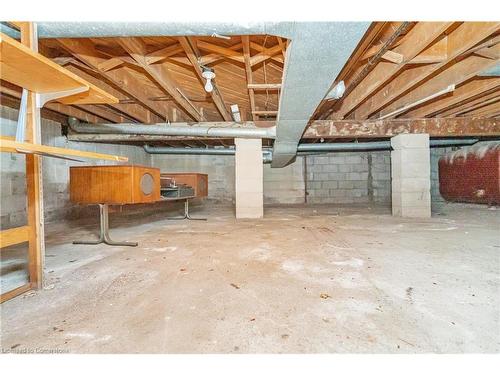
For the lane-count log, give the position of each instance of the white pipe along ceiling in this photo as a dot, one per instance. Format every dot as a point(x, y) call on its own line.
point(316, 54)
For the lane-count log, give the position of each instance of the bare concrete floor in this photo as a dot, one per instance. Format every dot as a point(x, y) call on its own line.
point(305, 279)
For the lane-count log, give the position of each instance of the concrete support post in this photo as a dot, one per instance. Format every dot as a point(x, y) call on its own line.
point(249, 184)
point(410, 174)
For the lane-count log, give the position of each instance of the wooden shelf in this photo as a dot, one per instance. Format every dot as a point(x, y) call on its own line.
point(23, 67)
point(7, 145)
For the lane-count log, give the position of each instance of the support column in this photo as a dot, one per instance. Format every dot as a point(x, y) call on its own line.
point(249, 178)
point(34, 179)
point(411, 175)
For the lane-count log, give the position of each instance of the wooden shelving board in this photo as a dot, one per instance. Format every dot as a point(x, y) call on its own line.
point(9, 145)
point(23, 67)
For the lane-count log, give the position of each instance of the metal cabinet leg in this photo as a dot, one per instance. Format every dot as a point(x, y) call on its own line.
point(104, 231)
point(186, 213)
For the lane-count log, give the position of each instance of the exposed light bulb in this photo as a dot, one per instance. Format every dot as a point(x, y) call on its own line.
point(208, 86)
point(208, 75)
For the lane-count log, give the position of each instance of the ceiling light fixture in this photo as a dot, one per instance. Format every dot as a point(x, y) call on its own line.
point(208, 74)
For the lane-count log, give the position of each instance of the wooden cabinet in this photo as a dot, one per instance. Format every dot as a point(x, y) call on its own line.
point(198, 181)
point(114, 184)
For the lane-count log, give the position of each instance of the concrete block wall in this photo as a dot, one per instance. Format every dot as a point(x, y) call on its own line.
point(354, 177)
point(55, 172)
point(284, 185)
point(220, 170)
point(281, 185)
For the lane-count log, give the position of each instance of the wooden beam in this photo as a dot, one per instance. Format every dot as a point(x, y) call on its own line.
point(417, 39)
point(485, 109)
point(215, 94)
point(162, 54)
point(455, 74)
point(215, 57)
point(266, 54)
point(110, 64)
point(470, 105)
point(34, 176)
point(393, 57)
point(436, 53)
point(158, 73)
point(283, 47)
point(84, 50)
point(14, 236)
point(278, 58)
point(435, 127)
point(248, 71)
point(461, 94)
point(102, 113)
point(134, 111)
point(457, 42)
point(264, 86)
point(226, 52)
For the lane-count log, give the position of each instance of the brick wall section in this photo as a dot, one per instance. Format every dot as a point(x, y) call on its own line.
point(55, 172)
point(349, 177)
point(436, 154)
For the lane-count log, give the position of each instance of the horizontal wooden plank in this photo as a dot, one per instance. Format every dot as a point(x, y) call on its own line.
point(264, 86)
point(30, 148)
point(14, 236)
point(14, 292)
point(23, 67)
point(435, 127)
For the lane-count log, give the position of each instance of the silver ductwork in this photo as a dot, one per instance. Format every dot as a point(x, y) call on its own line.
point(130, 29)
point(232, 130)
point(317, 53)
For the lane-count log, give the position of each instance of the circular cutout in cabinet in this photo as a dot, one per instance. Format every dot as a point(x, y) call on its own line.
point(147, 184)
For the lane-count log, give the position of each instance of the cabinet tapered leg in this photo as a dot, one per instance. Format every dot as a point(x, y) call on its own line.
point(104, 231)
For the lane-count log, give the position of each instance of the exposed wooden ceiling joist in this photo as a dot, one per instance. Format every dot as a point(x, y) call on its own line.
point(461, 94)
point(454, 75)
point(457, 42)
point(85, 51)
point(137, 50)
point(187, 46)
point(417, 39)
